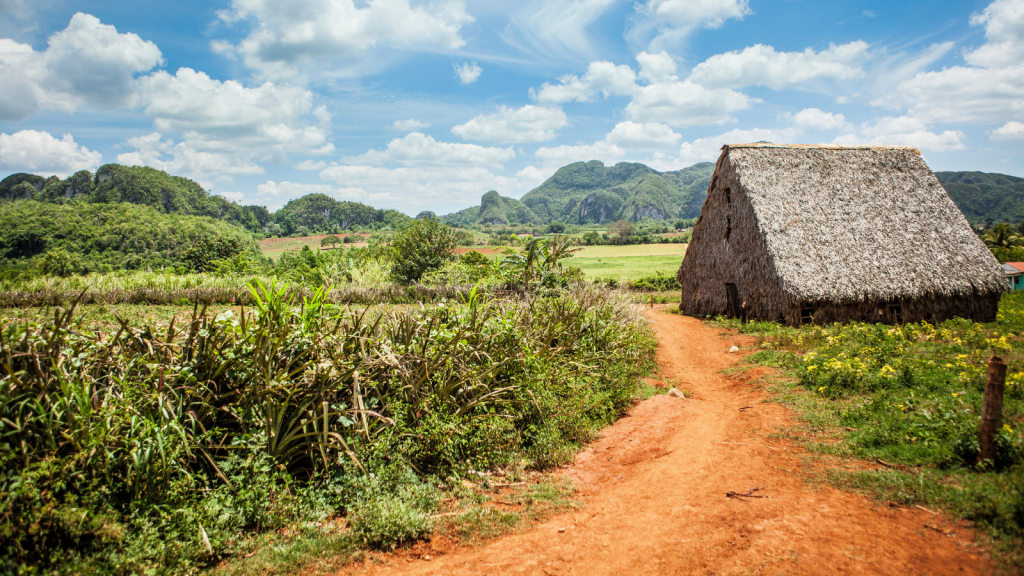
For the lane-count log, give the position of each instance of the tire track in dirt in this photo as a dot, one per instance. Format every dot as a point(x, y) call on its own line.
point(654, 485)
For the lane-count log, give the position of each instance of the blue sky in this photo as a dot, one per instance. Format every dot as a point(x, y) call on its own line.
point(427, 105)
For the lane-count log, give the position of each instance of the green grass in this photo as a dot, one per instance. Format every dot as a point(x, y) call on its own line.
point(631, 262)
point(275, 247)
point(909, 397)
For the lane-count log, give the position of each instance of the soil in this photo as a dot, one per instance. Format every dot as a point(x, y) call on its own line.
point(654, 487)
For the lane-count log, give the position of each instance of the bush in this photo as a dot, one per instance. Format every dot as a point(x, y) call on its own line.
point(422, 246)
point(58, 262)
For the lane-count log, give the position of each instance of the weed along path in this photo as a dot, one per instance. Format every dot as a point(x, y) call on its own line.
point(655, 490)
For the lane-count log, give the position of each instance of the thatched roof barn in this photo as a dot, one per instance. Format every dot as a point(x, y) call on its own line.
point(801, 233)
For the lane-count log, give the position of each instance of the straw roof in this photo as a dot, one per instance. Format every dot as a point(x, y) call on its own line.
point(859, 223)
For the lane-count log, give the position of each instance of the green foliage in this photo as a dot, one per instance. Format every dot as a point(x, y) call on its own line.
point(555, 227)
point(117, 236)
point(912, 395)
point(422, 246)
point(321, 214)
point(982, 196)
point(331, 240)
point(58, 262)
point(660, 282)
point(165, 447)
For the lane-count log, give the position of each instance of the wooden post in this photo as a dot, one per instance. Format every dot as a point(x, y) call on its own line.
point(992, 410)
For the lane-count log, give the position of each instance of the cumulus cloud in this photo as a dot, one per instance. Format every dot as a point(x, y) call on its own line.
point(561, 155)
point(236, 197)
point(86, 63)
point(990, 91)
point(225, 127)
point(642, 136)
point(468, 73)
point(673, 20)
point(1004, 29)
point(664, 98)
point(438, 188)
point(289, 34)
point(816, 119)
point(39, 152)
point(1008, 131)
point(186, 159)
point(904, 131)
point(686, 103)
point(409, 125)
point(417, 149)
point(708, 149)
point(514, 125)
point(602, 77)
point(761, 65)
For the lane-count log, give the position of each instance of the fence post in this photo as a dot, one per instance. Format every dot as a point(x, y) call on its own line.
point(992, 410)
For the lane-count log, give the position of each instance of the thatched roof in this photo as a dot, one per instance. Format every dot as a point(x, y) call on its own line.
point(858, 223)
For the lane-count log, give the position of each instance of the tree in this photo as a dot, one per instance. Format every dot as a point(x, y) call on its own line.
point(1002, 235)
point(680, 224)
point(330, 240)
point(58, 262)
point(621, 228)
point(422, 246)
point(556, 227)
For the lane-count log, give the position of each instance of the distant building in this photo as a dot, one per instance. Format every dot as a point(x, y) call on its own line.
point(1014, 272)
point(802, 233)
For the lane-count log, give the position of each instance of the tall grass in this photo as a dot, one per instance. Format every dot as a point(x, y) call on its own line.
point(201, 288)
point(160, 447)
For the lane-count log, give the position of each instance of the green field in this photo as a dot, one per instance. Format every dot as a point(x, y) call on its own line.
point(632, 262)
point(274, 247)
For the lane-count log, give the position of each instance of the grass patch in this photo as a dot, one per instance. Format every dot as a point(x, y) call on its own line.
point(909, 396)
point(630, 262)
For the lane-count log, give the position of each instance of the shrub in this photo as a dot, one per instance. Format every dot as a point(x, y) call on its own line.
point(422, 246)
point(58, 262)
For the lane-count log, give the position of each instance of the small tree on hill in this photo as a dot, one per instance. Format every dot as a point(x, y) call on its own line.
point(422, 246)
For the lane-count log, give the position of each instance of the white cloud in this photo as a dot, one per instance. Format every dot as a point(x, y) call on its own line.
point(186, 159)
point(514, 125)
point(673, 20)
point(290, 34)
point(761, 65)
point(408, 125)
point(468, 73)
point(989, 92)
point(310, 165)
point(236, 197)
point(660, 67)
point(708, 149)
point(1008, 131)
point(557, 29)
point(39, 152)
point(295, 190)
point(223, 48)
point(438, 188)
point(904, 131)
point(601, 78)
point(225, 127)
point(417, 149)
point(1004, 29)
point(686, 104)
point(86, 63)
point(532, 176)
point(816, 119)
point(561, 155)
point(647, 136)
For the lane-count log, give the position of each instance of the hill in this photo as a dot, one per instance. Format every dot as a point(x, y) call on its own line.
point(982, 196)
point(141, 185)
point(113, 236)
point(590, 192)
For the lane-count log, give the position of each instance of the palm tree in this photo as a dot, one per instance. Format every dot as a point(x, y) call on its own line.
point(1002, 235)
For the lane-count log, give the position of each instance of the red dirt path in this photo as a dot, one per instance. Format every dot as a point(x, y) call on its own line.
point(654, 486)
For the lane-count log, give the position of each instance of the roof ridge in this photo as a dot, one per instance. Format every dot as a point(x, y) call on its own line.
point(822, 146)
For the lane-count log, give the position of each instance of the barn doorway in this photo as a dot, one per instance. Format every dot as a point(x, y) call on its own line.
point(735, 309)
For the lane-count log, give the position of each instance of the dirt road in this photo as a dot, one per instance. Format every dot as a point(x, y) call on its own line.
point(655, 488)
